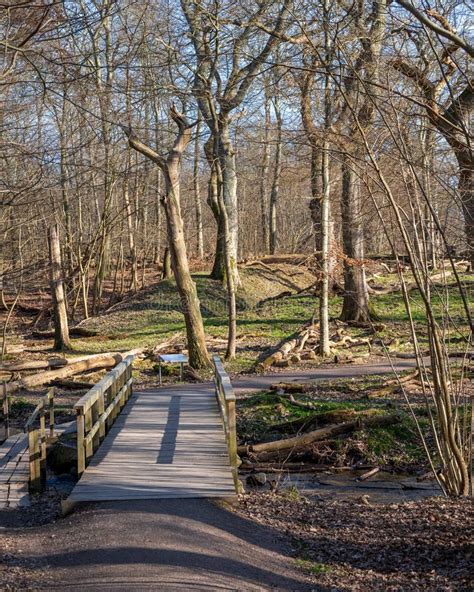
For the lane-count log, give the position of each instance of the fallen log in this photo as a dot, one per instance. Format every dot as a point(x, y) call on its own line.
point(320, 434)
point(368, 474)
point(71, 384)
point(295, 343)
point(34, 365)
point(290, 387)
point(74, 332)
point(282, 467)
point(284, 294)
point(402, 380)
point(436, 280)
point(301, 404)
point(317, 420)
point(100, 361)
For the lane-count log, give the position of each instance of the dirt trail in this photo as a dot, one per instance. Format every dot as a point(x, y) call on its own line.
point(164, 545)
point(256, 382)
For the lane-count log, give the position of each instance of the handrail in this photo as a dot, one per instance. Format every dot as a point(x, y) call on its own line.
point(37, 438)
point(97, 410)
point(226, 399)
point(6, 409)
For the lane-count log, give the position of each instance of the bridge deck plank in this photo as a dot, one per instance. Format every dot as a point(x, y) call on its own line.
point(165, 444)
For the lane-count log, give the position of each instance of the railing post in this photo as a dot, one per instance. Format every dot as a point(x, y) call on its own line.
point(6, 410)
point(232, 441)
point(129, 378)
point(34, 458)
point(101, 409)
point(89, 446)
point(113, 394)
point(51, 412)
point(81, 453)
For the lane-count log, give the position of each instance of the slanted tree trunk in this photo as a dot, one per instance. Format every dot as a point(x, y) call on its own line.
point(61, 328)
point(198, 355)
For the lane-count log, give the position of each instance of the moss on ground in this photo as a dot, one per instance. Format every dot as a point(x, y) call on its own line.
point(261, 417)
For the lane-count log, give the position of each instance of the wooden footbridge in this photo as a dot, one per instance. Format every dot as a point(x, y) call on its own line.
point(170, 442)
point(173, 442)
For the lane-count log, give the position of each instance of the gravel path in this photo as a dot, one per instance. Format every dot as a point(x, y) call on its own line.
point(161, 545)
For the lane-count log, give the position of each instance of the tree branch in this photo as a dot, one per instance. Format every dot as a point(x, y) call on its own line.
point(443, 32)
point(139, 146)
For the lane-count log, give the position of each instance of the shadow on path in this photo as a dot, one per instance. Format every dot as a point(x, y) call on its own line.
point(172, 544)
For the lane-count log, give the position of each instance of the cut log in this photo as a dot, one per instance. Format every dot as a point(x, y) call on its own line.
point(34, 365)
point(323, 433)
point(108, 360)
point(288, 346)
point(282, 363)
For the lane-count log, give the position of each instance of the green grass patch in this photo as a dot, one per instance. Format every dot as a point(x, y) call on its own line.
point(268, 416)
point(312, 567)
point(154, 315)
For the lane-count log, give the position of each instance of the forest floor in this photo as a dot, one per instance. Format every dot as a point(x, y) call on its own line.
point(275, 300)
point(353, 545)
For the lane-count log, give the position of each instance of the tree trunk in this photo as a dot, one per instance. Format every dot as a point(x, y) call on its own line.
point(324, 349)
point(275, 194)
point(166, 272)
point(198, 355)
point(218, 267)
point(264, 177)
point(197, 194)
point(316, 193)
point(130, 234)
point(231, 304)
point(61, 329)
point(229, 193)
point(356, 300)
point(466, 191)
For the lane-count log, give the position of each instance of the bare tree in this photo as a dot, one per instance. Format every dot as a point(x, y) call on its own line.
point(170, 167)
point(206, 28)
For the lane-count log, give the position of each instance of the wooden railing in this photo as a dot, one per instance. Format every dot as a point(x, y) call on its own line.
point(6, 409)
point(226, 399)
point(38, 438)
point(97, 410)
